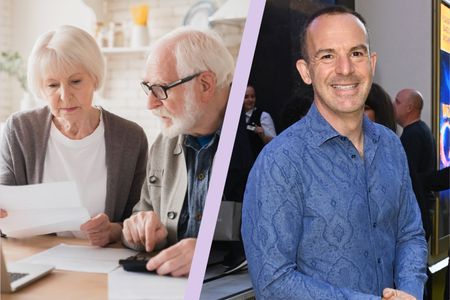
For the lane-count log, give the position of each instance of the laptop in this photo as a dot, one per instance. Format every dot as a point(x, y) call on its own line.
point(18, 275)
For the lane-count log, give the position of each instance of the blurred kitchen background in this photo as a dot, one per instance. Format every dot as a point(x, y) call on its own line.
point(122, 41)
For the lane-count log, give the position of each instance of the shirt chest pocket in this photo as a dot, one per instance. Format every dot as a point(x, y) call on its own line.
point(155, 178)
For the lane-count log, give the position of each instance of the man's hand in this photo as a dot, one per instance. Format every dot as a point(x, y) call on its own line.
point(100, 231)
point(175, 260)
point(392, 294)
point(144, 228)
point(3, 213)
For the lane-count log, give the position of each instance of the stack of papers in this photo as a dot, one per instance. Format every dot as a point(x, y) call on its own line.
point(123, 285)
point(81, 258)
point(41, 209)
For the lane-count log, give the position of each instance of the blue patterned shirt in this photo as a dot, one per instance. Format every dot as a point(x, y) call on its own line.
point(320, 222)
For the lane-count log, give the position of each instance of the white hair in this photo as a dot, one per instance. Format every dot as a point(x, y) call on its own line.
point(59, 52)
point(185, 122)
point(199, 50)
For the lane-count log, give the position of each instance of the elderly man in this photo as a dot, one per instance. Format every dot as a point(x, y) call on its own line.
point(419, 145)
point(329, 212)
point(187, 81)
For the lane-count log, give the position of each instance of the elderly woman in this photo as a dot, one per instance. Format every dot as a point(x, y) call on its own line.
point(70, 139)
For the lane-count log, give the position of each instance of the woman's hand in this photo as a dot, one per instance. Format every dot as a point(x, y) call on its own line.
point(100, 231)
point(262, 135)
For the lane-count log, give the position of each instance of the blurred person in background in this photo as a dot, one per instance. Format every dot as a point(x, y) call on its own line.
point(379, 107)
point(260, 127)
point(419, 145)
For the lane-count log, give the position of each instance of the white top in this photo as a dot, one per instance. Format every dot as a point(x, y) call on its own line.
point(266, 122)
point(82, 161)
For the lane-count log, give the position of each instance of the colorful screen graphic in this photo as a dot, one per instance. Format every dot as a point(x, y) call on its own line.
point(444, 108)
point(444, 105)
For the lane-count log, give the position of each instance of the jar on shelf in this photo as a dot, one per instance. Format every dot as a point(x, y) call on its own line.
point(111, 30)
point(116, 36)
point(101, 34)
point(119, 36)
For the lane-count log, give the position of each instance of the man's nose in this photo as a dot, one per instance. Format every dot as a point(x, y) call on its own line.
point(153, 102)
point(344, 65)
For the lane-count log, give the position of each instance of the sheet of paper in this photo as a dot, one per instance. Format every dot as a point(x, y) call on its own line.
point(41, 208)
point(81, 258)
point(123, 285)
point(227, 286)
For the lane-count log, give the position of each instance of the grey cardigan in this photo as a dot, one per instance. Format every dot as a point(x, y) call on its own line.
point(24, 145)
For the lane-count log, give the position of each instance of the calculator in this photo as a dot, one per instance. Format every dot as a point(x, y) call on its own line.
point(136, 263)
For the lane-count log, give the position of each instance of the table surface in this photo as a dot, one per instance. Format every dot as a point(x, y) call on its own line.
point(68, 285)
point(59, 284)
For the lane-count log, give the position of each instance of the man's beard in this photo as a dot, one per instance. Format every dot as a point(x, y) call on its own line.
point(184, 123)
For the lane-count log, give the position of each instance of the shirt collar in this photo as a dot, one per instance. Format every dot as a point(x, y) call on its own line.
point(250, 112)
point(321, 129)
point(324, 131)
point(191, 141)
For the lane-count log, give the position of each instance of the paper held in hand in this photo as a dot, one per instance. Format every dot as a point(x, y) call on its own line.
point(41, 209)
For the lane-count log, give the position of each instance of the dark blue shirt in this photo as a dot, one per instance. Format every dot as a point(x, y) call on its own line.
point(199, 159)
point(320, 222)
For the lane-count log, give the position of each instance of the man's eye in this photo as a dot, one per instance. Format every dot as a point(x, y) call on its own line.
point(76, 81)
point(326, 57)
point(357, 53)
point(52, 85)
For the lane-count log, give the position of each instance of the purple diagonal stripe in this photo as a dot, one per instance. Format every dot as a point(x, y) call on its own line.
point(223, 154)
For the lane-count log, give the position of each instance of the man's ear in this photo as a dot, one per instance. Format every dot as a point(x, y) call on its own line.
point(409, 107)
point(207, 81)
point(373, 62)
point(303, 70)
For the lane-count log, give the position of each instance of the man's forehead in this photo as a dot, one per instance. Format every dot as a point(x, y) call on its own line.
point(160, 67)
point(337, 19)
point(334, 25)
point(402, 96)
point(400, 99)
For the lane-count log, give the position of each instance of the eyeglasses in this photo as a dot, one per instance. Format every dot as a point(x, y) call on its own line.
point(160, 91)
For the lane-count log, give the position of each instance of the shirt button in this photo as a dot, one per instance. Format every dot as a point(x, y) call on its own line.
point(374, 225)
point(198, 217)
point(343, 138)
point(153, 179)
point(171, 215)
point(353, 156)
point(201, 176)
point(379, 260)
point(366, 253)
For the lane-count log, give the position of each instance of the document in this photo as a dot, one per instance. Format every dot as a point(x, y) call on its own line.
point(228, 286)
point(90, 259)
point(123, 285)
point(41, 209)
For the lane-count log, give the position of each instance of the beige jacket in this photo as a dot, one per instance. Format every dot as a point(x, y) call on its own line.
point(165, 186)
